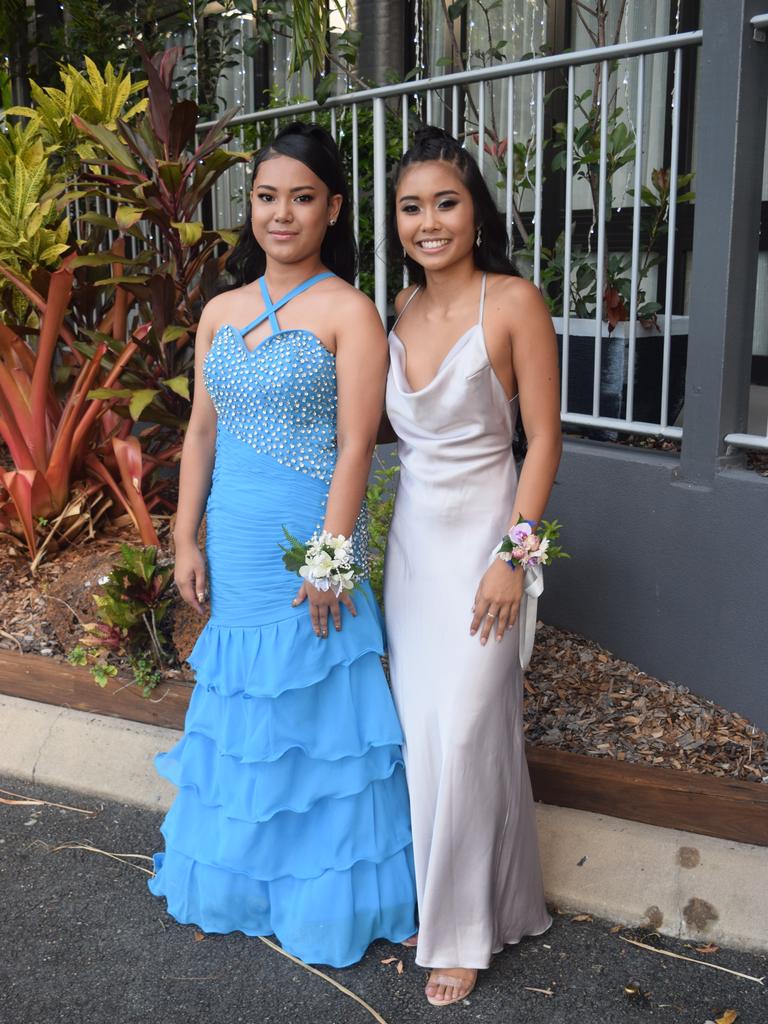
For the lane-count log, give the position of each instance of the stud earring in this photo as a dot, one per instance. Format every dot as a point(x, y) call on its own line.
point(331, 222)
point(479, 238)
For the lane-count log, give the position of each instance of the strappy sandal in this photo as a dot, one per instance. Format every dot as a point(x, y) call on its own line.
point(463, 988)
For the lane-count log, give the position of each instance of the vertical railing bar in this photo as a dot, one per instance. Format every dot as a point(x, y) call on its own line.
point(380, 207)
point(406, 275)
point(600, 266)
point(671, 225)
point(539, 177)
point(635, 268)
point(429, 106)
point(481, 126)
point(567, 245)
point(355, 186)
point(333, 123)
point(455, 101)
point(510, 155)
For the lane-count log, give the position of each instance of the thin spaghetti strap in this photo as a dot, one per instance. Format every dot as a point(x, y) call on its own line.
point(482, 301)
point(413, 295)
point(271, 308)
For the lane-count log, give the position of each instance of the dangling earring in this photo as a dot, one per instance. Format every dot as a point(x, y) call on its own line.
point(479, 238)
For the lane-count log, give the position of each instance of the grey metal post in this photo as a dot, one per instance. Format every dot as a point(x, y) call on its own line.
point(733, 90)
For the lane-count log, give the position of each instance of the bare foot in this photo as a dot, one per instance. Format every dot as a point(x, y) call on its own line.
point(411, 943)
point(449, 985)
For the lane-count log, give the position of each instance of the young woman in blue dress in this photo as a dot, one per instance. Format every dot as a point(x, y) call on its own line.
point(292, 813)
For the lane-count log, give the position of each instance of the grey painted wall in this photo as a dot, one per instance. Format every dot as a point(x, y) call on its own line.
point(670, 576)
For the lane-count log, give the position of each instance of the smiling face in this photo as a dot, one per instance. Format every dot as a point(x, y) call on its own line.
point(291, 209)
point(435, 214)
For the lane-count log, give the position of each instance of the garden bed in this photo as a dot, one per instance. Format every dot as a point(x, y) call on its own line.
point(602, 735)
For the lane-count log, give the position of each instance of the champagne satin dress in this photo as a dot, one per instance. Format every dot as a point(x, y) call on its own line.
point(478, 877)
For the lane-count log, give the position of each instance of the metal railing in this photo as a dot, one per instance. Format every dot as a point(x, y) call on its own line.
point(462, 103)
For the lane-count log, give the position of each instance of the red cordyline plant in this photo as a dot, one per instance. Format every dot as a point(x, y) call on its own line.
point(116, 329)
point(55, 442)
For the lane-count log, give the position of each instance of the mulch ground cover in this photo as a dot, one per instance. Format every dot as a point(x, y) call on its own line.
point(579, 697)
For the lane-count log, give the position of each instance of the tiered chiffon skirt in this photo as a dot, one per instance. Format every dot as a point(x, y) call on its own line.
point(292, 812)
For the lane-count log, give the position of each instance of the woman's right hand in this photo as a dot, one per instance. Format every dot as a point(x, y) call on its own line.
point(190, 575)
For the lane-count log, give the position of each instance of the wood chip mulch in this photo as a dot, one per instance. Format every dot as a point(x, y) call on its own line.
point(579, 697)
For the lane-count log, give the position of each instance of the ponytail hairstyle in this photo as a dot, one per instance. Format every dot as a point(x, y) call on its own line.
point(314, 147)
point(492, 254)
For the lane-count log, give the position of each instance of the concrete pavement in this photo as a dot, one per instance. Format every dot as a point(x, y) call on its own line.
point(686, 886)
point(82, 941)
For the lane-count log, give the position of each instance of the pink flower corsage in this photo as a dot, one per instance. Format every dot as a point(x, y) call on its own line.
point(524, 546)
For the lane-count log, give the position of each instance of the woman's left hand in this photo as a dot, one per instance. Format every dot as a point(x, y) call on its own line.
point(497, 600)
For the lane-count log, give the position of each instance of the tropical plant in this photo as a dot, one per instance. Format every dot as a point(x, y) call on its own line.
point(99, 99)
point(617, 284)
point(154, 179)
point(380, 498)
point(56, 441)
point(34, 232)
point(111, 339)
point(130, 614)
point(307, 25)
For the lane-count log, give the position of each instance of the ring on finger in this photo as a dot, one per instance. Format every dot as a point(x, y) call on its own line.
point(490, 615)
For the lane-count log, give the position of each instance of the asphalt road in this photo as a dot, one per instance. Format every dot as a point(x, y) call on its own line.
point(83, 942)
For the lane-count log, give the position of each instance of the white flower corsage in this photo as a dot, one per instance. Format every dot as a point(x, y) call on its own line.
point(524, 547)
point(325, 561)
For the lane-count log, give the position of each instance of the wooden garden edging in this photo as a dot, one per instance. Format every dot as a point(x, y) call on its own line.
point(705, 804)
point(71, 686)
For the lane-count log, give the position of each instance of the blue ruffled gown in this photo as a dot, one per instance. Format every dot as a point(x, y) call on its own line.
point(292, 813)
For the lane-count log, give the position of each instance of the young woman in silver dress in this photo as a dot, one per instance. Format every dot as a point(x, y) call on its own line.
point(473, 344)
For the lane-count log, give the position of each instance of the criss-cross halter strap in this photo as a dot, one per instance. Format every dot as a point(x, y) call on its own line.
point(271, 308)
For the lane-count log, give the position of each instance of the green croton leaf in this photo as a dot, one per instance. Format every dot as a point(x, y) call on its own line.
point(180, 385)
point(190, 232)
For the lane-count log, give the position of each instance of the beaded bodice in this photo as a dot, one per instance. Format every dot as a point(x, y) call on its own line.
point(280, 396)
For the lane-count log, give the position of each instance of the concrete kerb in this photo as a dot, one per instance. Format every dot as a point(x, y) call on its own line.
point(685, 885)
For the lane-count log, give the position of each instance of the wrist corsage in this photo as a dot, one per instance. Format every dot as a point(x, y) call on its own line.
point(523, 546)
point(325, 561)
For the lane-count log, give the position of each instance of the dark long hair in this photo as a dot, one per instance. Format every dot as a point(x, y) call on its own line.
point(315, 148)
point(492, 254)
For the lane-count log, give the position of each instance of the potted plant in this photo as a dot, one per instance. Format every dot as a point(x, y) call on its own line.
point(615, 291)
point(582, 288)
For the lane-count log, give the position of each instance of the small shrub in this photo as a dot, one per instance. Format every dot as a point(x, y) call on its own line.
point(381, 502)
point(130, 613)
